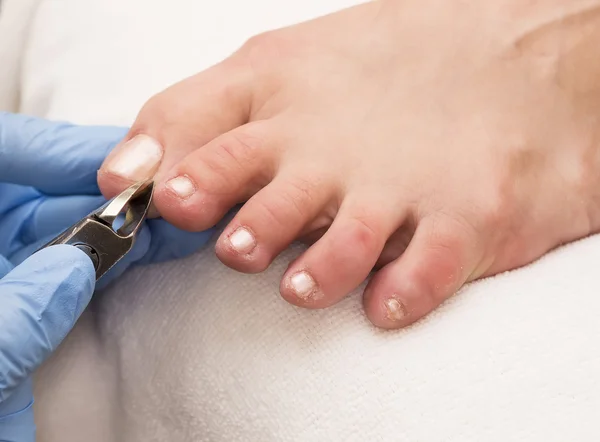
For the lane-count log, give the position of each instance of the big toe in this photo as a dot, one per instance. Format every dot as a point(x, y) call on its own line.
point(176, 122)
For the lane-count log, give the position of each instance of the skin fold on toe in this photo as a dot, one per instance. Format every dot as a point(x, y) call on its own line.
point(436, 141)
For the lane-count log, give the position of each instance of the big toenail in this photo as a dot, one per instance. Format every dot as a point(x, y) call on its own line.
point(304, 286)
point(396, 311)
point(138, 159)
point(242, 240)
point(181, 186)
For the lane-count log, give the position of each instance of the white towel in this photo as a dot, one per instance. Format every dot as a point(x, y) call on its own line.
point(192, 351)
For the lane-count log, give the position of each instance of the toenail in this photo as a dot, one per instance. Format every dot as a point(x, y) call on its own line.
point(396, 311)
point(138, 159)
point(304, 286)
point(242, 240)
point(181, 186)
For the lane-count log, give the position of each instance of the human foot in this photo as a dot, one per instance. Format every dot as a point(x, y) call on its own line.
point(470, 129)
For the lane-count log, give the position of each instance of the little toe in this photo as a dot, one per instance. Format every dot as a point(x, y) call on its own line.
point(441, 257)
point(271, 220)
point(342, 259)
point(199, 191)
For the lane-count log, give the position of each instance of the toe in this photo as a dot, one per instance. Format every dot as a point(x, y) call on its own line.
point(207, 183)
point(342, 259)
point(440, 258)
point(175, 122)
point(272, 219)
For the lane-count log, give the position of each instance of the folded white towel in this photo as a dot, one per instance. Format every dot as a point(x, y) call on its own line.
point(192, 351)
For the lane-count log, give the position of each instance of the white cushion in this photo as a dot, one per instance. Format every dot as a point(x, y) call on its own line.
point(192, 351)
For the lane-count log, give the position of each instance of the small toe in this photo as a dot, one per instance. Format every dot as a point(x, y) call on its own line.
point(271, 220)
point(441, 257)
point(342, 259)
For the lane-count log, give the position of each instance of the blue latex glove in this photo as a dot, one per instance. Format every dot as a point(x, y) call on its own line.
point(47, 183)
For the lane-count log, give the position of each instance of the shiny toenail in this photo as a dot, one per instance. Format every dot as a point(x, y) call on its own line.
point(242, 240)
point(303, 285)
point(138, 159)
point(182, 186)
point(395, 309)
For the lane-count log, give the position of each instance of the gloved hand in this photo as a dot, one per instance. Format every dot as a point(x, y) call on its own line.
point(47, 183)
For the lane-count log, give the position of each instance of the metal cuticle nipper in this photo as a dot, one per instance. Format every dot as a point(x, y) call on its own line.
point(96, 235)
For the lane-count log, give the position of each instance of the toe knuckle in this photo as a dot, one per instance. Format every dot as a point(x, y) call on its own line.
point(364, 233)
point(259, 52)
point(227, 163)
point(291, 201)
point(441, 273)
point(152, 113)
point(155, 104)
point(444, 255)
point(259, 41)
point(217, 175)
point(299, 192)
point(242, 147)
point(164, 113)
point(449, 230)
point(159, 108)
point(263, 46)
point(273, 211)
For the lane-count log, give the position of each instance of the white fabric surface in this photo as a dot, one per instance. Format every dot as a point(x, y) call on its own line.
point(192, 351)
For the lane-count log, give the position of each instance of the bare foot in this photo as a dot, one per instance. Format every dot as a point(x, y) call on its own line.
point(468, 131)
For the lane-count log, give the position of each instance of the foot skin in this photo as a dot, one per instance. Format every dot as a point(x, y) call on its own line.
point(438, 142)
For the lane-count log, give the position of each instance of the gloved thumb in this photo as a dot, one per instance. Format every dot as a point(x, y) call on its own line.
point(40, 301)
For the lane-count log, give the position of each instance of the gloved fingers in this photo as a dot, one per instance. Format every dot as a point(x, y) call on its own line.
point(40, 301)
point(29, 226)
point(169, 242)
point(55, 214)
point(16, 415)
point(137, 253)
point(13, 195)
point(55, 157)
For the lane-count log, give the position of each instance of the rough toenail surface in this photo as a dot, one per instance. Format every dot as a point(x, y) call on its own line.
point(182, 186)
point(395, 309)
point(138, 159)
point(303, 285)
point(242, 240)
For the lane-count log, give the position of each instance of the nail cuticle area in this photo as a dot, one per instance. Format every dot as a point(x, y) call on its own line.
point(304, 286)
point(242, 241)
point(395, 309)
point(181, 186)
